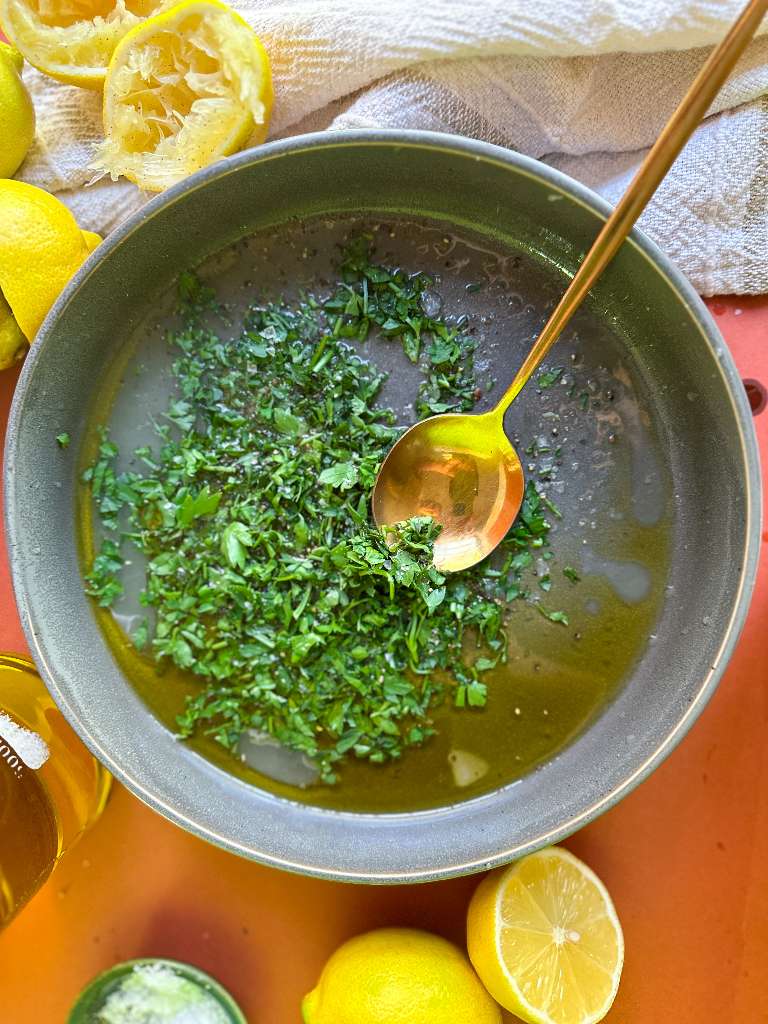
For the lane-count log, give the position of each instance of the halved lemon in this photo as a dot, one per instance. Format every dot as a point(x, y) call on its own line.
point(544, 938)
point(72, 40)
point(183, 89)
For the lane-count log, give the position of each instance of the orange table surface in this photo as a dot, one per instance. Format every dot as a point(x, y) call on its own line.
point(685, 857)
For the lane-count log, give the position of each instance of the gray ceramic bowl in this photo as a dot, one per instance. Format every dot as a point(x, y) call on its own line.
point(675, 349)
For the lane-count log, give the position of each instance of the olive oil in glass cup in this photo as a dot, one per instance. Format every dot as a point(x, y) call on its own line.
point(51, 788)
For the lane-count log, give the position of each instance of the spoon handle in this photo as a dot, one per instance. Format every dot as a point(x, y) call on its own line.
point(660, 158)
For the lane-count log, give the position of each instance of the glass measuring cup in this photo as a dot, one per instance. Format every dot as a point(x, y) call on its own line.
point(51, 787)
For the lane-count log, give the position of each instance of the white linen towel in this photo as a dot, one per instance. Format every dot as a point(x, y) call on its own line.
point(584, 85)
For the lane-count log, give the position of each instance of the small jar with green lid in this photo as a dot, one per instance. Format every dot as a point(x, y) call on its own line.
point(155, 992)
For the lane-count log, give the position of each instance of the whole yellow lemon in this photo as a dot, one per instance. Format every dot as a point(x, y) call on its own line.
point(13, 344)
point(17, 115)
point(41, 247)
point(399, 976)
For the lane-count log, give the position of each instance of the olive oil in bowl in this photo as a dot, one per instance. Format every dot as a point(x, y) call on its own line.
point(578, 594)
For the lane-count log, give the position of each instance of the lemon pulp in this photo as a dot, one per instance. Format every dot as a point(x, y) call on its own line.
point(183, 89)
point(72, 40)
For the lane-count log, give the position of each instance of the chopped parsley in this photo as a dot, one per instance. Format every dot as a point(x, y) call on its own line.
point(547, 378)
point(265, 576)
point(62, 440)
point(560, 617)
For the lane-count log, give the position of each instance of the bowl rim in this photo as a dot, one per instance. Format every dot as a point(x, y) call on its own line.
point(447, 865)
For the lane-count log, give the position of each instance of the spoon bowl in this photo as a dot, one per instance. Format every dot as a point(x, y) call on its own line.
point(463, 472)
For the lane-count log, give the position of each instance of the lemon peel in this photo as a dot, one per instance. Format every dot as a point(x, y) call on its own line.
point(399, 974)
point(13, 344)
point(41, 247)
point(91, 240)
point(17, 115)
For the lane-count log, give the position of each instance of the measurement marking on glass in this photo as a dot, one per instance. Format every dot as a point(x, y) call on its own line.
point(19, 745)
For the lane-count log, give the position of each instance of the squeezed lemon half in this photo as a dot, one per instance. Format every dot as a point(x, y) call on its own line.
point(183, 89)
point(72, 40)
point(545, 940)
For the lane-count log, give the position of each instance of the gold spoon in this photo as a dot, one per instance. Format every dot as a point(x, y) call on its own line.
point(461, 468)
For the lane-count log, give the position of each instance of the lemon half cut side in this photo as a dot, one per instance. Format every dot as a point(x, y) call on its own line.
point(545, 940)
point(183, 89)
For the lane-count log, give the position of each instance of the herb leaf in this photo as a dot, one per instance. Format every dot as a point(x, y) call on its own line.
point(235, 540)
point(549, 377)
point(202, 504)
point(343, 475)
point(560, 617)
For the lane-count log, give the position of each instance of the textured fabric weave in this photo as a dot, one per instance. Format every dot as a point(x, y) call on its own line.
point(584, 85)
